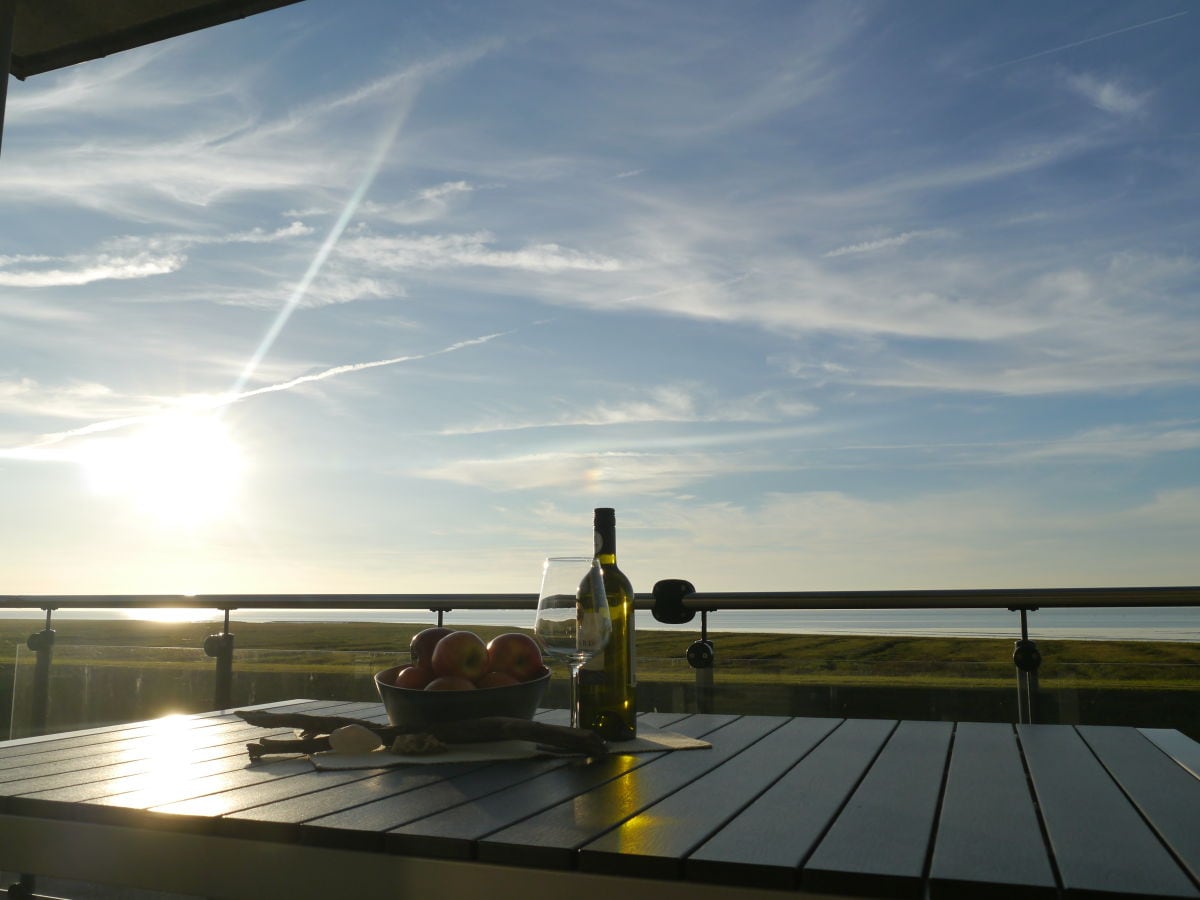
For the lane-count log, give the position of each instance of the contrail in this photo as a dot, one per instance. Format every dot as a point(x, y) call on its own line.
point(358, 367)
point(34, 450)
point(318, 260)
point(1090, 40)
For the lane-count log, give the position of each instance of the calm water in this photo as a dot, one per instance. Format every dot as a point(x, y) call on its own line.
point(1167, 623)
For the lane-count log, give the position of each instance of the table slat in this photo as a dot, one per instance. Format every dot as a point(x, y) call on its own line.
point(131, 743)
point(879, 842)
point(88, 736)
point(1167, 795)
point(767, 842)
point(989, 841)
point(1179, 747)
point(376, 802)
point(165, 775)
point(551, 838)
point(453, 832)
point(654, 843)
point(1099, 841)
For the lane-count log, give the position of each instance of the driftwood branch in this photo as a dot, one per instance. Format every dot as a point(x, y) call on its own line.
point(317, 724)
point(467, 731)
point(274, 746)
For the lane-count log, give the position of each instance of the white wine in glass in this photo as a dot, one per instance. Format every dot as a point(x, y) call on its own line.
point(572, 621)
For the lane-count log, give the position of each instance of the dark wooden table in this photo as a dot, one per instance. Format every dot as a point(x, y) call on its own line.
point(807, 806)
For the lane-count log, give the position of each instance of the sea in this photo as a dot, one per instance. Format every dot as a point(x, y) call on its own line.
point(1108, 624)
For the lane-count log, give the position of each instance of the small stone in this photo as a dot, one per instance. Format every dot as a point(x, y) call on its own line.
point(354, 739)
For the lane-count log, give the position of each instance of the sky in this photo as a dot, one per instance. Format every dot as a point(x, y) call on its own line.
point(372, 297)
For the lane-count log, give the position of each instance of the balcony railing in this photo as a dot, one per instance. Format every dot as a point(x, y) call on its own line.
point(673, 602)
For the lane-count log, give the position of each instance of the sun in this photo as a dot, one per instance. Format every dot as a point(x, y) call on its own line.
point(183, 469)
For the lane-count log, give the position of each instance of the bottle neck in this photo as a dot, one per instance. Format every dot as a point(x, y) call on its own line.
point(606, 539)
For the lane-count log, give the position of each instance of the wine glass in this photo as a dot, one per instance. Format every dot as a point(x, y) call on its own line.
point(572, 621)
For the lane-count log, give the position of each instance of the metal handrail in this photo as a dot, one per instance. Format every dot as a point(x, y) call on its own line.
point(986, 598)
point(673, 601)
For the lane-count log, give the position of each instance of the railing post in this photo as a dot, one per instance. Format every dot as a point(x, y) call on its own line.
point(41, 643)
point(1027, 658)
point(220, 647)
point(668, 607)
point(701, 657)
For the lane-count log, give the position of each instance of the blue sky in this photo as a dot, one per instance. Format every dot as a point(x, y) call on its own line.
point(387, 297)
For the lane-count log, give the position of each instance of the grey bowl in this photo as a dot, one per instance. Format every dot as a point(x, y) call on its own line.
point(408, 707)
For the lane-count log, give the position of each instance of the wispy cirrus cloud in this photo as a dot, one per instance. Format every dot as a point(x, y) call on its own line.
point(592, 472)
point(1107, 94)
point(226, 147)
point(41, 272)
point(435, 251)
point(425, 205)
point(77, 400)
point(817, 539)
point(429, 204)
point(897, 240)
point(126, 258)
point(677, 403)
point(1121, 442)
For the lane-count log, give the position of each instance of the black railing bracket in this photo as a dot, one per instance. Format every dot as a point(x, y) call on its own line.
point(220, 648)
point(668, 601)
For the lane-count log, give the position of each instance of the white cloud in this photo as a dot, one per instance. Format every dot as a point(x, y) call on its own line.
point(1108, 95)
point(78, 400)
point(1176, 508)
point(588, 472)
point(1121, 442)
point(898, 240)
point(428, 204)
point(833, 540)
point(401, 252)
point(224, 147)
point(81, 270)
point(675, 403)
point(127, 257)
point(17, 308)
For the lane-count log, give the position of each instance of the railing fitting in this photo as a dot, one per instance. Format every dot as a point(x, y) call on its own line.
point(220, 647)
point(41, 643)
point(1027, 658)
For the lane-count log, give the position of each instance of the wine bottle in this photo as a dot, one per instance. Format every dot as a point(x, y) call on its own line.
point(608, 681)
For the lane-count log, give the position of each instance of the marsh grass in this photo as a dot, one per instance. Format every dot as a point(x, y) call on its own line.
point(742, 658)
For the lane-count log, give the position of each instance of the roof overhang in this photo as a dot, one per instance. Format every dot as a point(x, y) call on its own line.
point(42, 35)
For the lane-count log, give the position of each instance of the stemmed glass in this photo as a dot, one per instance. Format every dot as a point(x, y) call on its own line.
point(572, 621)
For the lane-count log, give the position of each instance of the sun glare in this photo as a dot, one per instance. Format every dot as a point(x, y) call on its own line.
point(180, 470)
point(170, 616)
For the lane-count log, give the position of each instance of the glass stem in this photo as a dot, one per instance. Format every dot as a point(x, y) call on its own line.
point(575, 695)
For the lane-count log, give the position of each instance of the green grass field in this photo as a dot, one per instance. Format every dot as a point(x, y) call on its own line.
point(747, 658)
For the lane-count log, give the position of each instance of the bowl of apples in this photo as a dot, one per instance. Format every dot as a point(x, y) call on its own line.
point(454, 675)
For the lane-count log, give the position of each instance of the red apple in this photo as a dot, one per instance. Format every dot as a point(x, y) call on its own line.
point(423, 643)
point(415, 677)
point(515, 654)
point(450, 683)
point(496, 679)
point(460, 653)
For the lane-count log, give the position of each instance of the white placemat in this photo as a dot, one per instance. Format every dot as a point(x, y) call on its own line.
point(649, 740)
